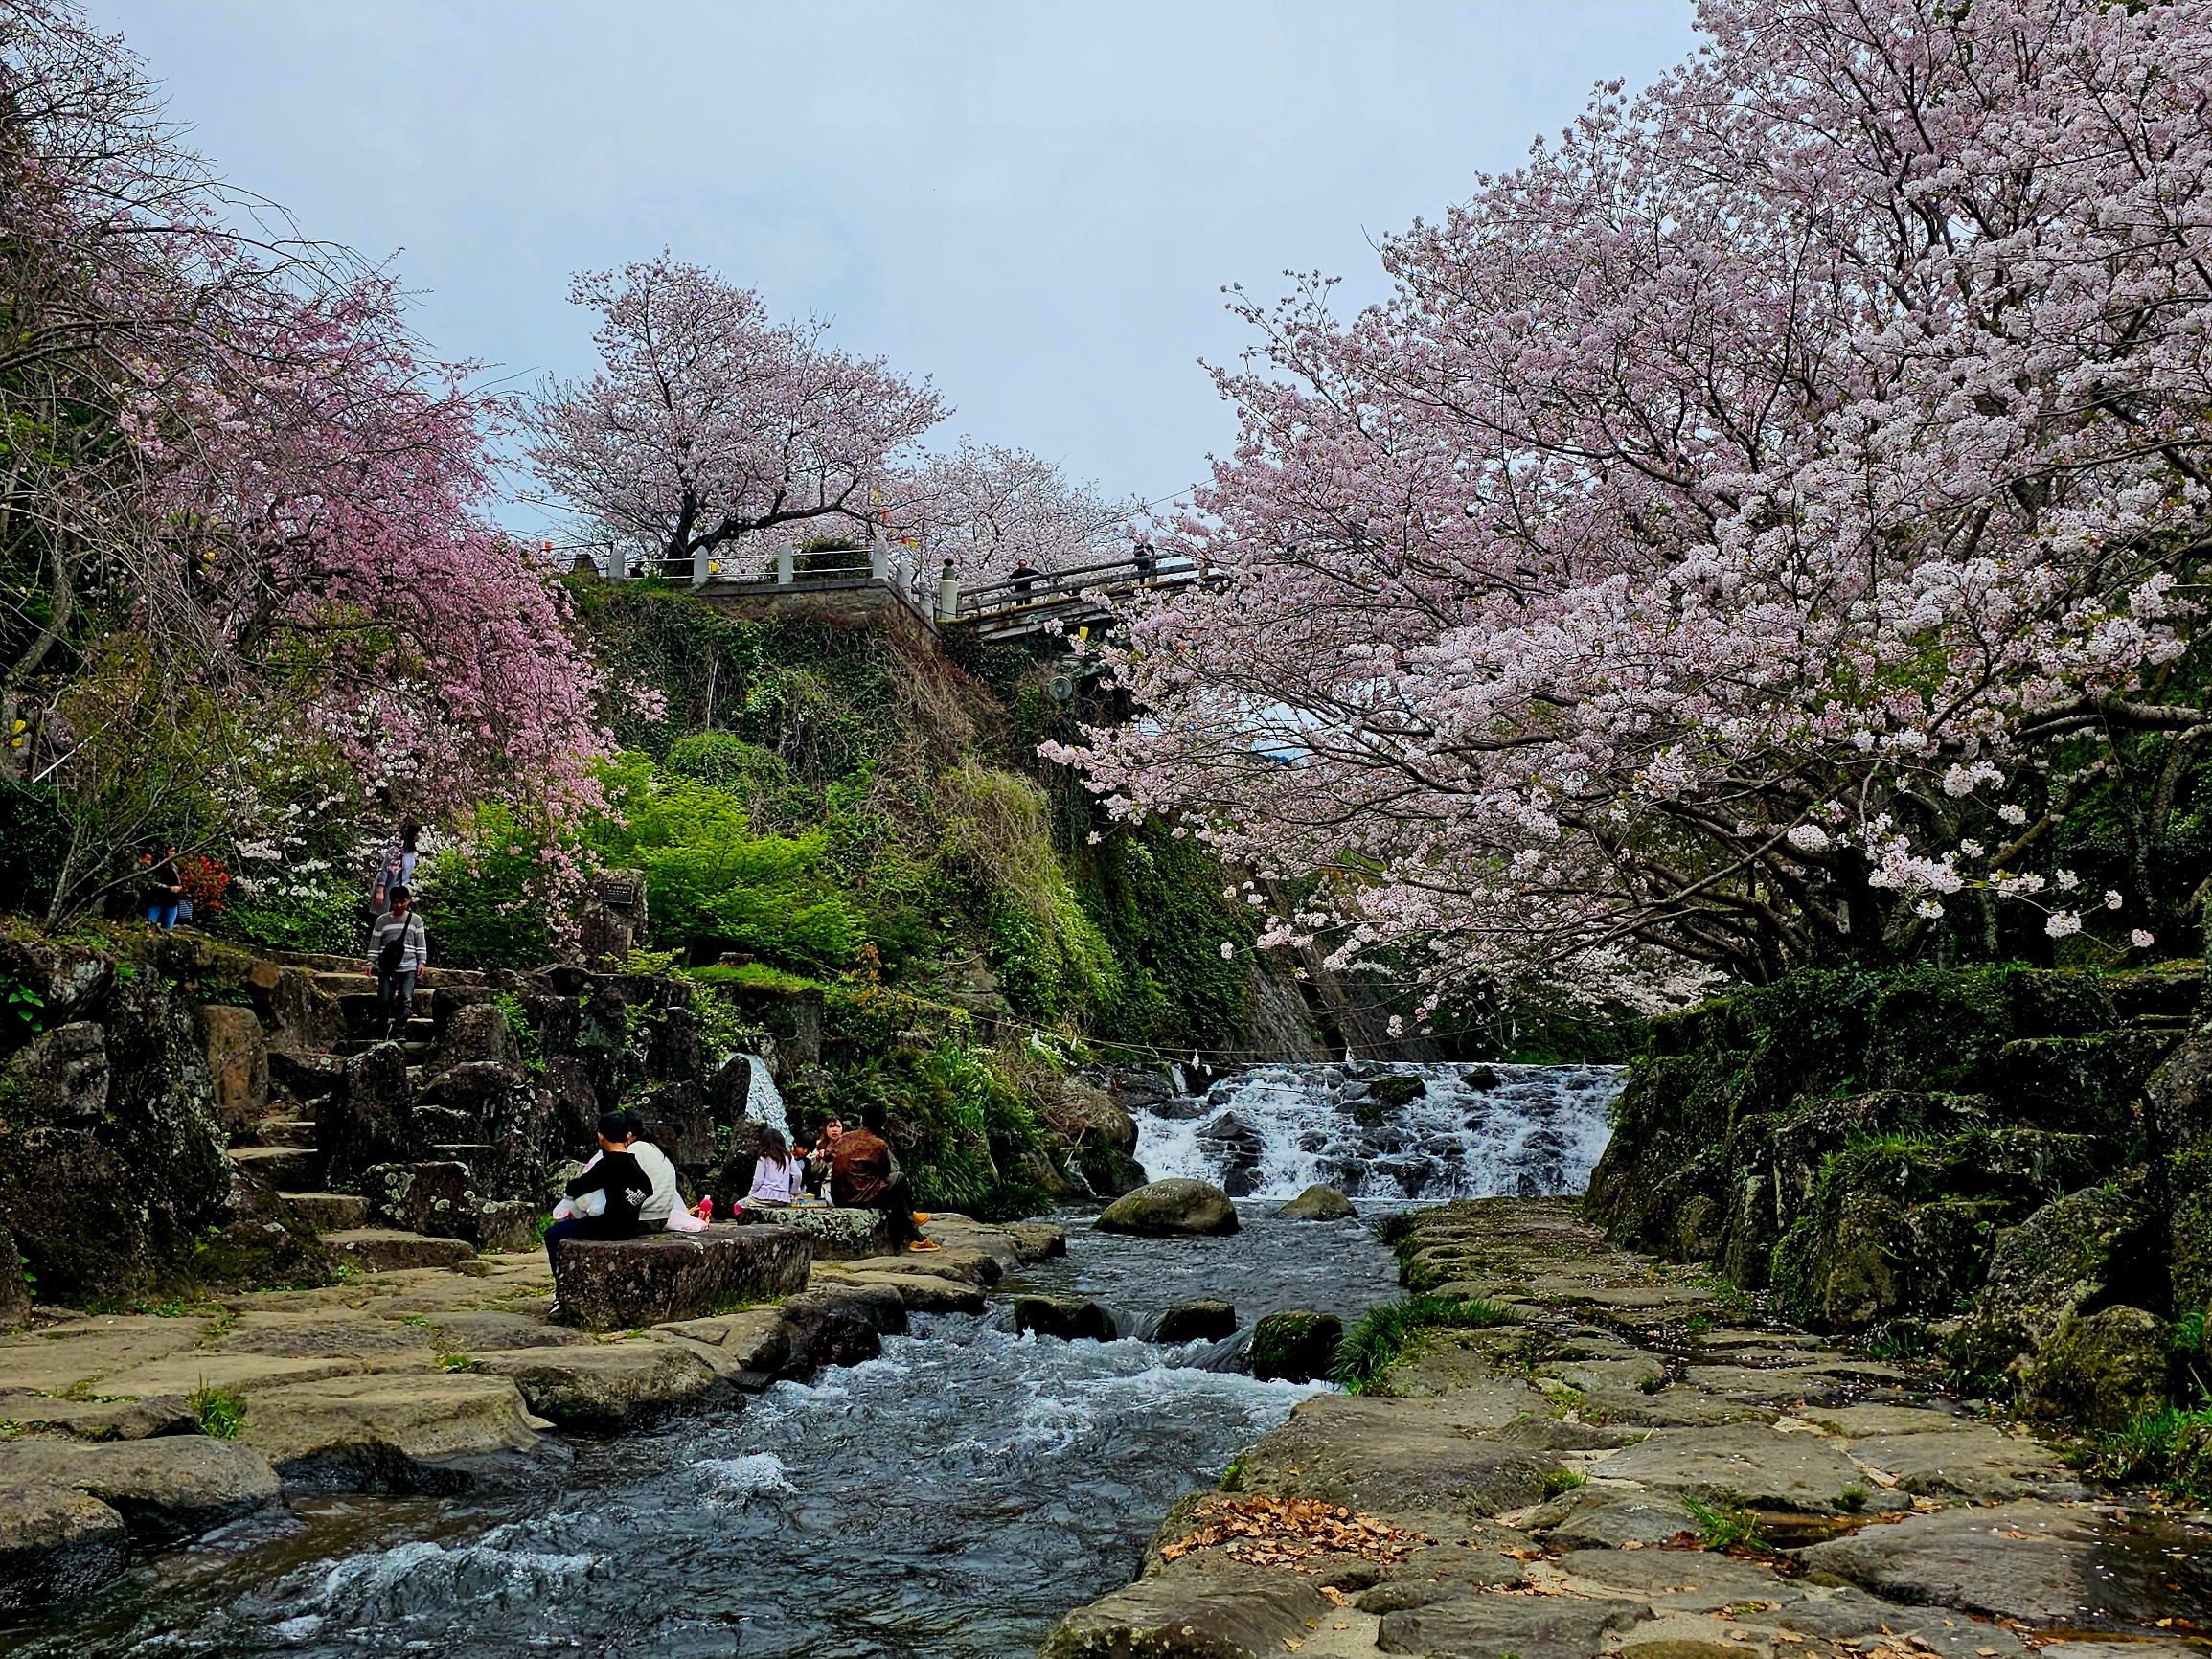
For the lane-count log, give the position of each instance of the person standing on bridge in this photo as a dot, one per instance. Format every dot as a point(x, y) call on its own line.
point(1024, 579)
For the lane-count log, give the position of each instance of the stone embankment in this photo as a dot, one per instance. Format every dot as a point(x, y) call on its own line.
point(431, 1379)
point(1633, 1462)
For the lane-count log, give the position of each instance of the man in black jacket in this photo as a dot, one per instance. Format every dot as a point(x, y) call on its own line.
point(606, 1197)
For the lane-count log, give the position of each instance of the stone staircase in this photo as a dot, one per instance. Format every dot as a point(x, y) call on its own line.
point(286, 1153)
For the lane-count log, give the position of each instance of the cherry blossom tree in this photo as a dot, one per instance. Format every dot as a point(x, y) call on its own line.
point(989, 509)
point(1747, 529)
point(240, 505)
point(709, 427)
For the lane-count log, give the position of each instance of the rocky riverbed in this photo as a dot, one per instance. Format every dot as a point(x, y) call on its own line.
point(1634, 1462)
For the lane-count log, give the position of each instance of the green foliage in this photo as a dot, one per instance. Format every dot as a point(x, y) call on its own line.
point(525, 1034)
point(2171, 1449)
point(220, 1412)
point(709, 878)
point(1724, 1526)
point(35, 829)
point(968, 1137)
point(1381, 1338)
point(481, 900)
point(328, 922)
point(1560, 1481)
point(1156, 900)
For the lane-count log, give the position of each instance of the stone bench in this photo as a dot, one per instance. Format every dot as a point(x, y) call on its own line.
point(628, 1284)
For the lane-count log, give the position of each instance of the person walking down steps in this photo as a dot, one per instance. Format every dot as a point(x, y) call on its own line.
point(399, 947)
point(396, 870)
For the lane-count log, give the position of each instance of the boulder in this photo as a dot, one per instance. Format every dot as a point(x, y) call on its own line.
point(476, 1035)
point(1198, 1608)
point(1069, 1318)
point(1106, 1171)
point(1035, 1241)
point(57, 1544)
point(603, 1386)
point(1295, 1347)
point(672, 1053)
point(677, 1122)
point(730, 1090)
point(2177, 1124)
point(263, 1243)
point(438, 1433)
point(237, 1063)
point(368, 1117)
point(79, 1225)
point(757, 1342)
point(14, 1294)
point(176, 1487)
point(1205, 1320)
point(926, 1292)
point(839, 1325)
point(1171, 1208)
point(439, 1199)
point(576, 1107)
point(494, 1109)
point(1236, 1147)
point(2063, 1256)
point(1085, 1116)
point(63, 1076)
point(2099, 1371)
point(610, 1284)
point(1318, 1203)
point(1395, 1089)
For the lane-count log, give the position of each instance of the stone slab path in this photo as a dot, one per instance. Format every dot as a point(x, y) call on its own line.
point(1565, 1486)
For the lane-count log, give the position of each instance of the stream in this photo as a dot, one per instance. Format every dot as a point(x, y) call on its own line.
point(953, 1498)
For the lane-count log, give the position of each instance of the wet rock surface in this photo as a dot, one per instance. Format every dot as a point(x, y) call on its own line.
point(1171, 1207)
point(1637, 1464)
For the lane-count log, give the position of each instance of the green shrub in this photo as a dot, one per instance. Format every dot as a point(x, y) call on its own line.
point(1382, 1337)
point(482, 900)
point(2171, 1449)
point(328, 922)
point(35, 829)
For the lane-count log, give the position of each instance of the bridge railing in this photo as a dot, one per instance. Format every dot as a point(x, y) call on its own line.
point(1057, 586)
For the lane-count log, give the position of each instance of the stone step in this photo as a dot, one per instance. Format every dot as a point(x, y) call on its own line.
point(385, 1249)
point(329, 1212)
point(341, 984)
point(417, 1048)
point(285, 1168)
point(353, 967)
point(287, 1132)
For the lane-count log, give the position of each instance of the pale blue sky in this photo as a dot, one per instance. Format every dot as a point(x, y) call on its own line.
point(1035, 205)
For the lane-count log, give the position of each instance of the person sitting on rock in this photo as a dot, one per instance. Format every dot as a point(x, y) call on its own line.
point(822, 1154)
point(606, 1196)
point(666, 1210)
point(863, 1176)
point(777, 1177)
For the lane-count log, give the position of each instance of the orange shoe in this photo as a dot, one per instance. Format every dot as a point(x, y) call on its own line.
point(926, 1244)
point(920, 1218)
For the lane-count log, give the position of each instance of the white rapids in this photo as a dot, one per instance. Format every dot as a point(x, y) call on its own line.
point(1273, 1130)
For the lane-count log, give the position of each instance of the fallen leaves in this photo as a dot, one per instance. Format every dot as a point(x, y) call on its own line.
point(1291, 1533)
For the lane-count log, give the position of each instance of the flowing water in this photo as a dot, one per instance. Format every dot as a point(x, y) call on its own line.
point(952, 1498)
point(1473, 1131)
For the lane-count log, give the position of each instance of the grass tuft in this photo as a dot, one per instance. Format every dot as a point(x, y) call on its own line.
point(1379, 1340)
point(1727, 1527)
point(2169, 1448)
point(221, 1412)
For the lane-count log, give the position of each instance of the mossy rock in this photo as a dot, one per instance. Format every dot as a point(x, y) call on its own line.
point(1396, 1089)
point(1317, 1203)
point(2100, 1371)
point(1172, 1207)
point(1871, 1258)
point(2083, 1084)
point(1296, 1347)
point(1938, 1030)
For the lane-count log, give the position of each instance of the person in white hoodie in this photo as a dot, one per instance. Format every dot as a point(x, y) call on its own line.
point(665, 1209)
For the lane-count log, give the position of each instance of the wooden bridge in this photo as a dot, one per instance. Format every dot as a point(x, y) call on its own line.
point(867, 587)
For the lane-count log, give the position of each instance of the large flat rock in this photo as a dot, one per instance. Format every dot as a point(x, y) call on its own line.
point(630, 1284)
point(839, 1234)
point(1194, 1609)
point(95, 1419)
point(175, 1487)
point(384, 1249)
point(438, 1433)
point(1744, 1464)
point(1962, 1461)
point(2037, 1562)
point(57, 1544)
point(1401, 1456)
point(603, 1386)
point(1493, 1627)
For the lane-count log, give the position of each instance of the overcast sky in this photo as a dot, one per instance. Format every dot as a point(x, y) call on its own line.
point(1037, 205)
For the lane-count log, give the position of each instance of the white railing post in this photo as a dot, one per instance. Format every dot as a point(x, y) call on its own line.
point(784, 565)
point(617, 561)
point(699, 571)
point(948, 595)
point(879, 557)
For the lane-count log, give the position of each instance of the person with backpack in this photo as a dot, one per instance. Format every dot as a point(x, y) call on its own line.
point(161, 893)
point(398, 948)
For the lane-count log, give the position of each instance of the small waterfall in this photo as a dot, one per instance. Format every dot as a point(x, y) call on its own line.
point(1472, 1131)
point(764, 1101)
